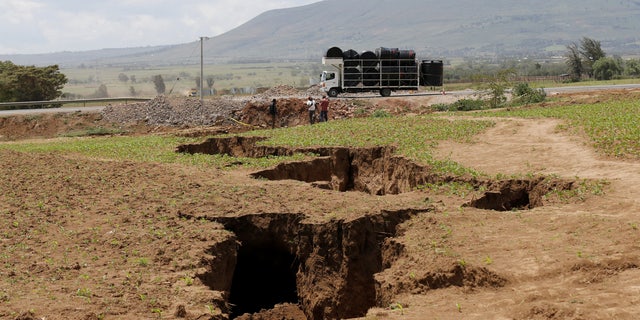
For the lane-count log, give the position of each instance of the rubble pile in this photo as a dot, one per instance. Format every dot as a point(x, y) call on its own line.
point(179, 112)
point(281, 91)
point(286, 91)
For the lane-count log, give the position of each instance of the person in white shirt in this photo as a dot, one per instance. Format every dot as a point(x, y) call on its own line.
point(311, 107)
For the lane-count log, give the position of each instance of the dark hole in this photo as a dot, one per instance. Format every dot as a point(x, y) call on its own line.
point(505, 200)
point(264, 277)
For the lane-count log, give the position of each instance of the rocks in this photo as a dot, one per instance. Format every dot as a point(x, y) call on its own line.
point(177, 112)
point(189, 112)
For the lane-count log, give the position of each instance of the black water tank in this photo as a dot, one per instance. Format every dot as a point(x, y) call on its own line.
point(351, 58)
point(407, 54)
point(409, 76)
point(432, 73)
point(370, 77)
point(387, 53)
point(407, 58)
point(369, 59)
point(351, 54)
point(334, 52)
point(390, 76)
point(352, 77)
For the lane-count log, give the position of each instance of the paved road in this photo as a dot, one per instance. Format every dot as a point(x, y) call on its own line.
point(469, 91)
point(7, 113)
point(592, 88)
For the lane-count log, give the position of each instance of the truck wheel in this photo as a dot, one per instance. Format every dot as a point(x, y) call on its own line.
point(385, 92)
point(333, 92)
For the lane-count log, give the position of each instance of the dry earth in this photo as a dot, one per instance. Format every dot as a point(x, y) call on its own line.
point(345, 235)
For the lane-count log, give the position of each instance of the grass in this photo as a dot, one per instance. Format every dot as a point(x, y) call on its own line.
point(414, 137)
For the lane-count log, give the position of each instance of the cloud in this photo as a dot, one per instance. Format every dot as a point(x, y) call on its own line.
point(41, 26)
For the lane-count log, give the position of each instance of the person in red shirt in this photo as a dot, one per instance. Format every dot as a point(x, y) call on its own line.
point(324, 109)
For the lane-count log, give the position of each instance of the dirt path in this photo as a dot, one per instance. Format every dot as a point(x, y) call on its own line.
point(536, 146)
point(562, 261)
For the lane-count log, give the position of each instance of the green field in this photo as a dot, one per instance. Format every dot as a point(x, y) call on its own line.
point(84, 81)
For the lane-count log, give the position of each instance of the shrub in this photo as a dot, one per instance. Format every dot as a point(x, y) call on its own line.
point(380, 114)
point(523, 94)
point(461, 105)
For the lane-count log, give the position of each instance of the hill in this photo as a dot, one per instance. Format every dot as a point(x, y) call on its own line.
point(435, 29)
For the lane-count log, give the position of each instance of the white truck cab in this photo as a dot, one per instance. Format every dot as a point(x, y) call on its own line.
point(330, 83)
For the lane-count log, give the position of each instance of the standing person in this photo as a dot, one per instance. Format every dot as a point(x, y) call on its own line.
point(311, 104)
point(273, 111)
point(324, 109)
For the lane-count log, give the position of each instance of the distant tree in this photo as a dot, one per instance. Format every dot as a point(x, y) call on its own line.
point(632, 68)
point(123, 77)
point(591, 51)
point(574, 62)
point(132, 91)
point(30, 83)
point(607, 68)
point(133, 78)
point(158, 82)
point(101, 92)
point(494, 87)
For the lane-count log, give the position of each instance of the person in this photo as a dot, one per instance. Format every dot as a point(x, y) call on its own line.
point(273, 111)
point(311, 107)
point(324, 109)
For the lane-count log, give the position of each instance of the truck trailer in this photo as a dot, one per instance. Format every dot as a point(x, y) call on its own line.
point(383, 70)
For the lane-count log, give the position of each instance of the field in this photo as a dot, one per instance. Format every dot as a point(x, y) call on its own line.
point(84, 81)
point(394, 213)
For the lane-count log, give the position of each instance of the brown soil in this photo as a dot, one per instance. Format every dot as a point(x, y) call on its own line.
point(343, 235)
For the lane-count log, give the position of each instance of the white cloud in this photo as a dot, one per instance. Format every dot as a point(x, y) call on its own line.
point(41, 26)
point(18, 11)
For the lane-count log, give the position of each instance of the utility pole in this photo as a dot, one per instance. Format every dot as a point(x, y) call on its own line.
point(202, 66)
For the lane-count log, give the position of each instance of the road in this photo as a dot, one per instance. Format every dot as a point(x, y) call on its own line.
point(592, 88)
point(7, 113)
point(470, 92)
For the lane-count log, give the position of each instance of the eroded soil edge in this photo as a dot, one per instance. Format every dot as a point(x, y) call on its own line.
point(378, 171)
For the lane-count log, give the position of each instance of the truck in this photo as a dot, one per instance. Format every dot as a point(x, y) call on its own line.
point(383, 70)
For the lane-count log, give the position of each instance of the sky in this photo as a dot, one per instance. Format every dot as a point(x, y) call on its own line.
point(46, 26)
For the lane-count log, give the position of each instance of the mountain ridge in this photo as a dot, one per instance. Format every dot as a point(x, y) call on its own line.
point(435, 29)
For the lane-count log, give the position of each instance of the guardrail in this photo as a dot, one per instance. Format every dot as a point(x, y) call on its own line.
point(83, 101)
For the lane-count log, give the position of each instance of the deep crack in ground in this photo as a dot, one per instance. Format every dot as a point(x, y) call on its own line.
point(328, 269)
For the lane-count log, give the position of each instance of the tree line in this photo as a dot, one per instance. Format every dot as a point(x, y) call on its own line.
point(30, 83)
point(588, 59)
